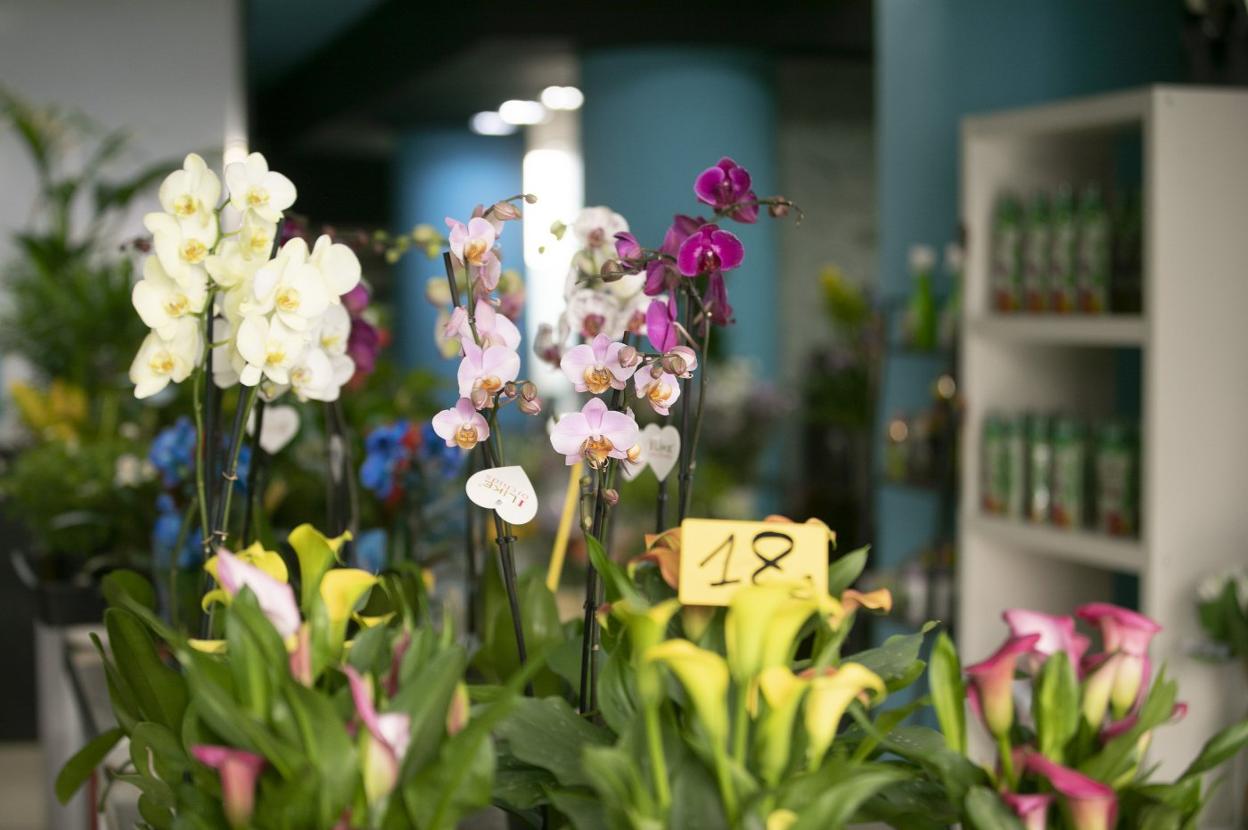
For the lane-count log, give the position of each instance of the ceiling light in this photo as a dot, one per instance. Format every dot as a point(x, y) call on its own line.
point(522, 112)
point(490, 123)
point(562, 98)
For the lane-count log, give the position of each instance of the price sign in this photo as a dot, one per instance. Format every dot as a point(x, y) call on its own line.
point(718, 558)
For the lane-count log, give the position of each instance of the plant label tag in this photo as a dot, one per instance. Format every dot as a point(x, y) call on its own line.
point(660, 448)
point(281, 424)
point(505, 490)
point(632, 469)
point(718, 558)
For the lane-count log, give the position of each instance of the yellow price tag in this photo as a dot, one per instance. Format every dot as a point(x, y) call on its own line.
point(717, 558)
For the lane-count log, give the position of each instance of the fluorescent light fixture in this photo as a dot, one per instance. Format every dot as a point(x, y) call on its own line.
point(562, 98)
point(522, 112)
point(490, 123)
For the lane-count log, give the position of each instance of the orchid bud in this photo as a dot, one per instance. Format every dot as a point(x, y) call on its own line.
point(592, 325)
point(674, 364)
point(628, 357)
point(656, 370)
point(530, 198)
point(509, 389)
point(505, 211)
point(611, 270)
point(778, 210)
point(530, 406)
point(611, 496)
point(634, 453)
point(480, 399)
point(528, 391)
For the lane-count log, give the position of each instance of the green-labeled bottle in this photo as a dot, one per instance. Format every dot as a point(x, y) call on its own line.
point(1005, 274)
point(1037, 249)
point(1070, 472)
point(1117, 477)
point(1039, 467)
point(1095, 254)
point(1063, 274)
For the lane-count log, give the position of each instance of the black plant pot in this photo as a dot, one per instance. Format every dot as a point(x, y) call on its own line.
point(60, 601)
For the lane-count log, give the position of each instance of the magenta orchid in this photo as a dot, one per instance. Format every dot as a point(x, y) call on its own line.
point(486, 370)
point(239, 770)
point(661, 273)
point(991, 689)
point(493, 328)
point(659, 391)
point(1090, 804)
point(384, 741)
point(716, 300)
point(628, 249)
point(596, 366)
point(1056, 634)
point(726, 188)
point(595, 434)
point(709, 251)
point(276, 598)
point(661, 328)
point(461, 426)
point(1032, 809)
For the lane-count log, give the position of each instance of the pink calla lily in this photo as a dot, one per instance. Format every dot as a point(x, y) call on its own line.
point(238, 770)
point(1032, 810)
point(385, 742)
point(1126, 636)
point(991, 689)
point(1056, 634)
point(1091, 804)
point(276, 599)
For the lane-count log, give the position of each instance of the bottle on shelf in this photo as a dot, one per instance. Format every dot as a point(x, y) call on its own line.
point(1095, 260)
point(1037, 248)
point(1006, 264)
point(1070, 472)
point(1063, 275)
point(1039, 467)
point(1116, 479)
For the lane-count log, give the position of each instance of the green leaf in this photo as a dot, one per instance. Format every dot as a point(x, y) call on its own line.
point(944, 679)
point(158, 689)
point(519, 786)
point(1159, 817)
point(843, 572)
point(79, 768)
point(125, 705)
point(614, 774)
point(153, 741)
point(986, 811)
point(547, 733)
point(927, 748)
point(1220, 748)
point(328, 747)
point(616, 698)
point(257, 656)
point(615, 579)
point(895, 659)
point(425, 697)
point(124, 583)
point(836, 806)
point(696, 802)
point(1055, 706)
point(154, 812)
point(583, 809)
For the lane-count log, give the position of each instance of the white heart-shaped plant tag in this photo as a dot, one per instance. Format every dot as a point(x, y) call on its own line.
point(632, 469)
point(281, 425)
point(660, 447)
point(505, 490)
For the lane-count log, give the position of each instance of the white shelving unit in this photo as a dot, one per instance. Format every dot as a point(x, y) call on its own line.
point(1192, 346)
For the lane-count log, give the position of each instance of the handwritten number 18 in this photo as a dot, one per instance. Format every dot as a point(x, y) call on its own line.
point(726, 547)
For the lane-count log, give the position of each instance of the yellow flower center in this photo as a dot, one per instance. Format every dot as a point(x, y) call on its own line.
point(185, 205)
point(490, 384)
point(596, 449)
point(474, 251)
point(275, 356)
point(161, 362)
point(300, 376)
point(288, 299)
point(329, 341)
point(257, 196)
point(466, 436)
point(659, 393)
point(177, 304)
point(193, 251)
point(634, 453)
point(597, 379)
point(258, 242)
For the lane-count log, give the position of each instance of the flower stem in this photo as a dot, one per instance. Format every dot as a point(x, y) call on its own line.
point(727, 792)
point(658, 762)
point(201, 459)
point(229, 475)
point(685, 480)
point(253, 473)
point(689, 446)
point(1007, 761)
point(740, 727)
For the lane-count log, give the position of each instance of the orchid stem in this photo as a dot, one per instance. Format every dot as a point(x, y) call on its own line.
point(229, 475)
point(253, 473)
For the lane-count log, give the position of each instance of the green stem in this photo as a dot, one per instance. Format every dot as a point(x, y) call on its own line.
point(201, 459)
point(723, 776)
point(228, 476)
point(658, 762)
point(740, 726)
point(1007, 761)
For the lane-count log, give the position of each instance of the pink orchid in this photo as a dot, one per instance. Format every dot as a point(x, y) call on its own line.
point(1126, 637)
point(709, 251)
point(276, 598)
point(726, 187)
point(661, 325)
point(595, 434)
point(1056, 634)
point(1091, 804)
point(488, 275)
point(384, 744)
point(991, 689)
point(471, 243)
point(627, 248)
point(239, 770)
point(486, 369)
point(688, 356)
point(595, 367)
point(716, 300)
point(461, 426)
point(661, 274)
point(660, 392)
point(1032, 810)
point(493, 329)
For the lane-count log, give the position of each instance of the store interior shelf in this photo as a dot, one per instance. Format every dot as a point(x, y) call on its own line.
point(1085, 547)
point(1063, 330)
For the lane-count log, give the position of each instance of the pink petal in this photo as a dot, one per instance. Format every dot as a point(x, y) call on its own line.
point(569, 433)
point(479, 228)
point(688, 259)
point(445, 424)
point(659, 329)
point(276, 599)
point(729, 248)
point(594, 410)
point(500, 362)
point(574, 363)
point(620, 429)
point(706, 185)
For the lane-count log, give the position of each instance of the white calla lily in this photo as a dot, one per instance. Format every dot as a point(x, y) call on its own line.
point(270, 349)
point(161, 362)
point(192, 192)
point(183, 247)
point(163, 303)
point(338, 264)
point(254, 187)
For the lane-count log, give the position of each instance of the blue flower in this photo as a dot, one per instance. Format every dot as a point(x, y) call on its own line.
point(369, 550)
point(384, 450)
point(437, 456)
point(173, 452)
point(165, 533)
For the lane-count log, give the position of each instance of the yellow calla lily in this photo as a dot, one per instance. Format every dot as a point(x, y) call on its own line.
point(829, 696)
point(781, 819)
point(761, 624)
point(207, 646)
point(215, 595)
point(783, 692)
point(373, 622)
point(646, 626)
point(696, 619)
point(704, 674)
point(341, 589)
point(317, 554)
point(269, 561)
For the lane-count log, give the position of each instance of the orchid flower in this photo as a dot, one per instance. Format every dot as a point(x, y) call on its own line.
point(182, 247)
point(253, 187)
point(661, 274)
point(595, 434)
point(192, 192)
point(317, 377)
point(239, 770)
point(991, 689)
point(1125, 636)
point(726, 188)
point(661, 328)
point(704, 675)
point(596, 367)
point(332, 332)
point(472, 243)
point(255, 238)
point(160, 361)
point(830, 694)
point(1032, 809)
point(1056, 634)
point(383, 742)
point(276, 598)
point(486, 369)
point(291, 287)
point(628, 249)
point(660, 392)
point(1090, 804)
point(270, 349)
point(709, 251)
point(716, 300)
point(230, 267)
point(492, 328)
point(338, 266)
point(461, 426)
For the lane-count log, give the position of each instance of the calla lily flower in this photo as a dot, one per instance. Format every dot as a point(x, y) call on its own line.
point(276, 599)
point(1126, 636)
point(646, 626)
point(256, 188)
point(486, 369)
point(595, 366)
point(458, 712)
point(301, 656)
point(761, 623)
point(268, 561)
point(238, 770)
point(783, 692)
point(1056, 634)
point(595, 434)
point(383, 742)
point(709, 251)
point(663, 549)
point(781, 819)
point(829, 696)
point(1090, 804)
point(342, 589)
point(1032, 810)
point(704, 674)
point(461, 426)
point(991, 690)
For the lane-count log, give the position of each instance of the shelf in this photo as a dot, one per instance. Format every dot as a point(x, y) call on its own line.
point(1063, 329)
point(1085, 547)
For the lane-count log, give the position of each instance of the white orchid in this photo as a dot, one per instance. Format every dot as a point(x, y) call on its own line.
point(229, 266)
point(255, 237)
point(227, 363)
point(291, 287)
point(253, 187)
point(192, 192)
point(319, 376)
point(338, 265)
point(333, 331)
point(160, 361)
point(270, 349)
point(182, 246)
point(163, 303)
